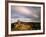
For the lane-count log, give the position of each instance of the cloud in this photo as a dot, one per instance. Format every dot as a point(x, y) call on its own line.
point(25, 11)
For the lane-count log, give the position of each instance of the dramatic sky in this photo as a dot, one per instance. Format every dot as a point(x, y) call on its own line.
point(32, 13)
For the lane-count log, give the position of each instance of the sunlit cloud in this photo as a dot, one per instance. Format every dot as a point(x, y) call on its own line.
point(25, 11)
point(25, 14)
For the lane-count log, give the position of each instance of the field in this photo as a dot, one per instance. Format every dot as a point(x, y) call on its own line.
point(21, 26)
